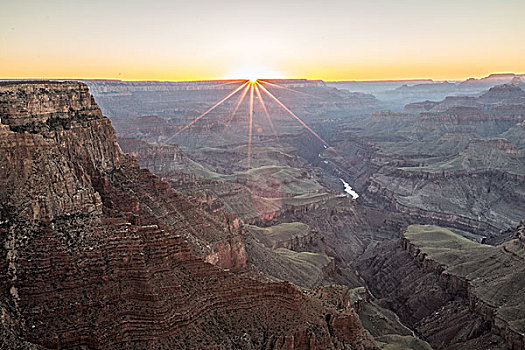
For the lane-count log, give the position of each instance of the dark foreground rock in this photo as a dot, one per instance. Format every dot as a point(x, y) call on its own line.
point(98, 253)
point(455, 293)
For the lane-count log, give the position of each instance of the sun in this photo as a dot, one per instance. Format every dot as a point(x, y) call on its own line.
point(255, 88)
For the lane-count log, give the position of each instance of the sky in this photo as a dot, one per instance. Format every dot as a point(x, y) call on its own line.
point(219, 39)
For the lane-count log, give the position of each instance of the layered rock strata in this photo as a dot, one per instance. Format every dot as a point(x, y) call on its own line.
point(96, 252)
point(455, 293)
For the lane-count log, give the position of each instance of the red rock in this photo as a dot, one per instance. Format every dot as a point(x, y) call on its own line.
point(96, 252)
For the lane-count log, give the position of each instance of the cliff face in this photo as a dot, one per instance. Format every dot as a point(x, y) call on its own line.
point(484, 182)
point(455, 293)
point(462, 167)
point(41, 107)
point(520, 232)
point(96, 252)
point(485, 123)
point(157, 159)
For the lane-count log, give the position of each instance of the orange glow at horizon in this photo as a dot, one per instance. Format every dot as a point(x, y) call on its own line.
point(210, 40)
point(19, 68)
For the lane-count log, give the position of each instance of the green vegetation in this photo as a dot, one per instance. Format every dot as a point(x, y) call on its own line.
point(275, 181)
point(310, 262)
point(304, 269)
point(497, 273)
point(446, 246)
point(270, 236)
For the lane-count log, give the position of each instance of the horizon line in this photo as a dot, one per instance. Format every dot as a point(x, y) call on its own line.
point(238, 79)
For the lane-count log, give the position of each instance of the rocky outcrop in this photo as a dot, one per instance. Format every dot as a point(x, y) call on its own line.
point(485, 123)
point(520, 232)
point(455, 293)
point(342, 298)
point(479, 189)
point(157, 159)
point(418, 107)
point(41, 107)
point(414, 194)
point(229, 253)
point(505, 93)
point(98, 253)
point(493, 79)
point(496, 145)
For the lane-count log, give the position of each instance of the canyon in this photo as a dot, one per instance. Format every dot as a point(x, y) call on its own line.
point(407, 234)
point(456, 293)
point(99, 253)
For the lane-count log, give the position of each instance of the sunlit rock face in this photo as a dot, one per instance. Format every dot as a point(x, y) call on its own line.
point(98, 253)
point(46, 106)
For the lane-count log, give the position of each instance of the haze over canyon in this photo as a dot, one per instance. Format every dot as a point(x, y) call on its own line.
point(296, 214)
point(277, 175)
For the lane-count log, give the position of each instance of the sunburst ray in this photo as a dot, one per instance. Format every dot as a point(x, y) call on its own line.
point(206, 113)
point(266, 111)
point(298, 119)
point(250, 127)
point(239, 102)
